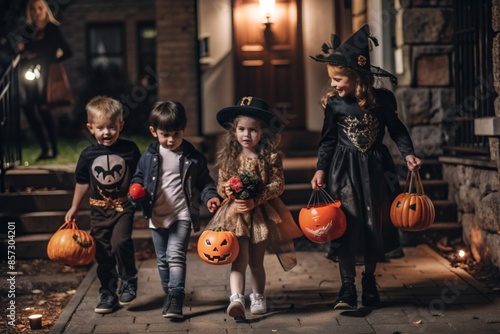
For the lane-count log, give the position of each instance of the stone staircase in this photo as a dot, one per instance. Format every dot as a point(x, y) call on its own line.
point(37, 199)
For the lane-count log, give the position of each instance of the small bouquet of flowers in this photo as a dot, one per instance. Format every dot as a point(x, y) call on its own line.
point(245, 185)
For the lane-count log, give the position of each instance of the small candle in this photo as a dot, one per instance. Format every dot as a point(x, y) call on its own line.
point(35, 321)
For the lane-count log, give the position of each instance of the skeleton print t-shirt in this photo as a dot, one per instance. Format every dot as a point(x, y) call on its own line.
point(108, 169)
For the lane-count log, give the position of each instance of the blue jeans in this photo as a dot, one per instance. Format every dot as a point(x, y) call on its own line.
point(171, 246)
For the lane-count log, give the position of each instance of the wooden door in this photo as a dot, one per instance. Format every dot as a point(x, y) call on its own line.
point(269, 58)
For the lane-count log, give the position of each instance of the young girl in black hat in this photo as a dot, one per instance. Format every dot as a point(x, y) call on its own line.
point(356, 167)
point(254, 211)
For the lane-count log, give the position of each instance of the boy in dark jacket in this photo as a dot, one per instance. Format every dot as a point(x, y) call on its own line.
point(175, 178)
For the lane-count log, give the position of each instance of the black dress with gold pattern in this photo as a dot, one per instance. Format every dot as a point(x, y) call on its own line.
point(360, 171)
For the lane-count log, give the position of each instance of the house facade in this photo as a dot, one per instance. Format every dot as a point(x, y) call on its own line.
point(209, 53)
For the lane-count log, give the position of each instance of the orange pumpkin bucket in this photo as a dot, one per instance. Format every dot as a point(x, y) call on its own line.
point(71, 246)
point(218, 246)
point(322, 220)
point(412, 212)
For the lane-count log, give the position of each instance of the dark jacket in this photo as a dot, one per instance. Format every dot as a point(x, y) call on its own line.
point(197, 183)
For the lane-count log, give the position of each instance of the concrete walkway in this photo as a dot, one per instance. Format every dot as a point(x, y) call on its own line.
point(420, 293)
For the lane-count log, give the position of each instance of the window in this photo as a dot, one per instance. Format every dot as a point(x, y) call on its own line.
point(146, 52)
point(106, 47)
point(474, 92)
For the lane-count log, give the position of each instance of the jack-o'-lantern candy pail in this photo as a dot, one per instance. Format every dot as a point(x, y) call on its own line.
point(322, 222)
point(218, 246)
point(412, 211)
point(71, 246)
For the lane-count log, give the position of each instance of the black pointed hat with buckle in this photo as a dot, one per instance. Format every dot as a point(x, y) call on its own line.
point(247, 106)
point(353, 53)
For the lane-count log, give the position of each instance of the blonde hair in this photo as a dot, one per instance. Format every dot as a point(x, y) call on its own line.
point(229, 148)
point(363, 87)
point(50, 16)
point(104, 107)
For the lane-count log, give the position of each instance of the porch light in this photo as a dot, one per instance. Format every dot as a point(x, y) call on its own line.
point(33, 73)
point(267, 9)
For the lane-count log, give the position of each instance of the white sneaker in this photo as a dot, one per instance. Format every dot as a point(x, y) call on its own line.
point(258, 305)
point(236, 308)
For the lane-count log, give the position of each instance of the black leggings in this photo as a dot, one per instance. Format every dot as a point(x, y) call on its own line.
point(347, 266)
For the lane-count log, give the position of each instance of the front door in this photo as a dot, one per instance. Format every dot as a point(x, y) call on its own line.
point(269, 58)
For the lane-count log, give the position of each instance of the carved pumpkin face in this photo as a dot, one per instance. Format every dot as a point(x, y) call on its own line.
point(412, 212)
point(218, 247)
point(323, 223)
point(71, 246)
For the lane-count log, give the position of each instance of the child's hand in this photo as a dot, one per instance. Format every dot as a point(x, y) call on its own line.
point(317, 180)
point(245, 205)
point(213, 204)
point(413, 162)
point(70, 215)
point(228, 191)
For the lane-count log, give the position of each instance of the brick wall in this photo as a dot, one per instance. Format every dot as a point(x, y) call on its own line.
point(177, 61)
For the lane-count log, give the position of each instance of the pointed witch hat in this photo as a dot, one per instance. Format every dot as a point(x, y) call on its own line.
point(353, 53)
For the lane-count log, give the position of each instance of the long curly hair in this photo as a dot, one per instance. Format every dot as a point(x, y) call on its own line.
point(228, 148)
point(363, 88)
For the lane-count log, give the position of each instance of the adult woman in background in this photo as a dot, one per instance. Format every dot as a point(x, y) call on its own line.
point(44, 45)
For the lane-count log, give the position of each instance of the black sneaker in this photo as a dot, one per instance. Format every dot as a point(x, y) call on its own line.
point(348, 298)
point(172, 307)
point(370, 296)
point(128, 291)
point(107, 304)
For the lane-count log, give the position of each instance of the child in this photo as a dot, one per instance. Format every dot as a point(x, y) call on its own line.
point(356, 166)
point(175, 176)
point(106, 168)
point(250, 146)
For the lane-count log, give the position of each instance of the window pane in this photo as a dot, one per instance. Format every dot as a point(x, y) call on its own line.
point(106, 46)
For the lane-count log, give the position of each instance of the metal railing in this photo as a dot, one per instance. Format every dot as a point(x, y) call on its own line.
point(474, 92)
point(10, 130)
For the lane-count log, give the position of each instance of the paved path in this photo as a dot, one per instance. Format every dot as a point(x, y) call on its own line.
point(420, 293)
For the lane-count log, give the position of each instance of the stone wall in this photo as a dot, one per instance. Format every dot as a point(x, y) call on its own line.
point(424, 40)
point(475, 187)
point(424, 50)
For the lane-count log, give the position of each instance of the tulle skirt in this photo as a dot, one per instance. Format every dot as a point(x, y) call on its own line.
point(270, 221)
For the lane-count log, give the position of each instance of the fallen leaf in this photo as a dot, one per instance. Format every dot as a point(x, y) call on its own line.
point(417, 322)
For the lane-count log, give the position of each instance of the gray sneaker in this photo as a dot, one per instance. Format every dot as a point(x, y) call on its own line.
point(107, 304)
point(128, 291)
point(172, 307)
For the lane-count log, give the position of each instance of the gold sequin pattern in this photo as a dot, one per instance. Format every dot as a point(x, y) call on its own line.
point(362, 133)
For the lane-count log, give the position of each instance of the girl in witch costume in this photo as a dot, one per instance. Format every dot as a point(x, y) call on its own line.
point(259, 219)
point(355, 166)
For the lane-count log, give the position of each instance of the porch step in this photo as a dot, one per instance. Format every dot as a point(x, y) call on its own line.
point(301, 192)
point(38, 200)
point(50, 221)
point(21, 179)
point(435, 189)
point(35, 245)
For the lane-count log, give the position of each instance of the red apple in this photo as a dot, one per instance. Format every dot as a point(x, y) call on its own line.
point(137, 191)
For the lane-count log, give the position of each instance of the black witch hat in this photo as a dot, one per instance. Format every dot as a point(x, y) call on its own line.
point(353, 53)
point(247, 106)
